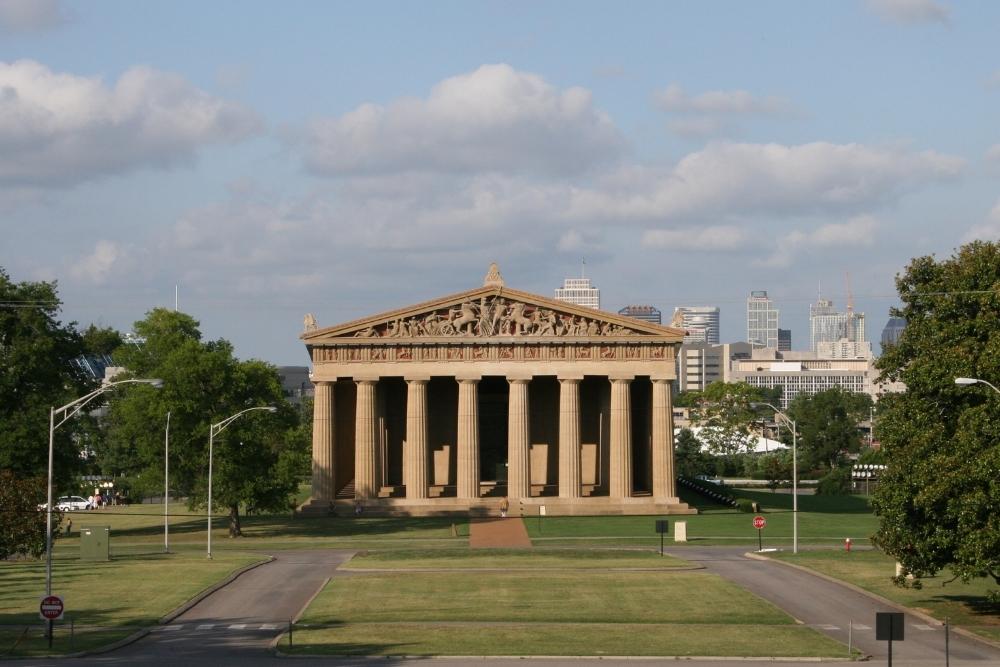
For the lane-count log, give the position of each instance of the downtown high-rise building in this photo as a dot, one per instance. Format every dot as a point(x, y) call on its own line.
point(579, 291)
point(826, 325)
point(650, 314)
point(762, 320)
point(892, 331)
point(701, 323)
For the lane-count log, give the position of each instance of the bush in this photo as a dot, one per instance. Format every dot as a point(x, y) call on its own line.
point(835, 483)
point(745, 505)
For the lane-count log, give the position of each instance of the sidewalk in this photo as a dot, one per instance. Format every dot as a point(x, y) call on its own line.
point(508, 533)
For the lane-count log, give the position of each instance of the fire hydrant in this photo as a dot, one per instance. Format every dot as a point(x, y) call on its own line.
point(847, 544)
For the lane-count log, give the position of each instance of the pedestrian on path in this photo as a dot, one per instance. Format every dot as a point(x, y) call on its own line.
point(504, 506)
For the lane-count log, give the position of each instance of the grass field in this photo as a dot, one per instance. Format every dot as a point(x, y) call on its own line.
point(515, 559)
point(546, 608)
point(963, 604)
point(105, 600)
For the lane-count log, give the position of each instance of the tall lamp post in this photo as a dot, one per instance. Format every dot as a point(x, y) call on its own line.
point(64, 414)
point(795, 472)
point(965, 382)
point(212, 431)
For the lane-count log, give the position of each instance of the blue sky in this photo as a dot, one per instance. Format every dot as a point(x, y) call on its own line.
point(274, 159)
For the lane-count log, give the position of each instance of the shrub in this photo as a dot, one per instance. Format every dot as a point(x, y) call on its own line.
point(745, 505)
point(835, 483)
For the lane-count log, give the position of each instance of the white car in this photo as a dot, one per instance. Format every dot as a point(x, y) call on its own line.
point(70, 503)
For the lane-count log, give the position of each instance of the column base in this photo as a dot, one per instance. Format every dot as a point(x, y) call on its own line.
point(528, 507)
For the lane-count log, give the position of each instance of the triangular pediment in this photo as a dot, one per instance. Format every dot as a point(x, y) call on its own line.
point(493, 311)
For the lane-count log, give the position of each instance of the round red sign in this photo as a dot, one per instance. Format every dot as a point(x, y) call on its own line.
point(51, 608)
point(759, 522)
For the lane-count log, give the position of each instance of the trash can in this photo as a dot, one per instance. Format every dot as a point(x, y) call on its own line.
point(95, 543)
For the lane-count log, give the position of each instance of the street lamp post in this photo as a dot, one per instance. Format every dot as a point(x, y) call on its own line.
point(965, 382)
point(66, 413)
point(218, 427)
point(166, 487)
point(795, 473)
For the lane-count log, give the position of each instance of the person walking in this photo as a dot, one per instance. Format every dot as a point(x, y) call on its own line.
point(504, 506)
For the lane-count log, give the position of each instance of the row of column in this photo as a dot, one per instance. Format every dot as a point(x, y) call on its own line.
point(416, 455)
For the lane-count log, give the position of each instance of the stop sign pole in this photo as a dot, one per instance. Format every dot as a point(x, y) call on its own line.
point(759, 522)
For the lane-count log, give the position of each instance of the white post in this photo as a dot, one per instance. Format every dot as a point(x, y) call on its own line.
point(166, 487)
point(795, 489)
point(211, 437)
point(48, 509)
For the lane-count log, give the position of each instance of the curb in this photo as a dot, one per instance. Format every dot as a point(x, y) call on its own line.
point(878, 598)
point(631, 658)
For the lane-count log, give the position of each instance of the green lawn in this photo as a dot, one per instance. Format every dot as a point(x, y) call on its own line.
point(553, 611)
point(104, 600)
point(512, 559)
point(963, 604)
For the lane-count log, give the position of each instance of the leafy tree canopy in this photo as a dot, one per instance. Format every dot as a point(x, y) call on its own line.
point(22, 525)
point(725, 414)
point(827, 423)
point(203, 384)
point(939, 500)
point(36, 374)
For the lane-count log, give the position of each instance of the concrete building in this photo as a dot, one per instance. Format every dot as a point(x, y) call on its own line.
point(701, 364)
point(826, 325)
point(644, 313)
point(762, 321)
point(295, 383)
point(701, 323)
point(784, 340)
point(805, 372)
point(449, 405)
point(580, 292)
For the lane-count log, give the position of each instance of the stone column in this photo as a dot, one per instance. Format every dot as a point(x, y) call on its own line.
point(415, 447)
point(468, 439)
point(569, 438)
point(518, 441)
point(621, 439)
point(322, 444)
point(663, 442)
point(365, 442)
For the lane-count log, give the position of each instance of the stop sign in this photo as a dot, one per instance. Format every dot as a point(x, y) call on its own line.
point(759, 522)
point(51, 608)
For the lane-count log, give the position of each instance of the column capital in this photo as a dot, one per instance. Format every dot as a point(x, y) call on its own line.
point(322, 383)
point(621, 377)
point(657, 378)
point(361, 381)
point(569, 378)
point(417, 378)
point(468, 378)
point(523, 380)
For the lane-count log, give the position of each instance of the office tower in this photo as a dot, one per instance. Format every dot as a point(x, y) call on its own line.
point(784, 340)
point(701, 322)
point(892, 331)
point(580, 292)
point(644, 313)
point(762, 320)
point(826, 325)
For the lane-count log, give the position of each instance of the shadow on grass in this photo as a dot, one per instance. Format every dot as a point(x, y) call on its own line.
point(978, 605)
point(809, 503)
point(277, 526)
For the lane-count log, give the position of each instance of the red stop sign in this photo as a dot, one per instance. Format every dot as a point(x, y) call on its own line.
point(759, 522)
point(51, 608)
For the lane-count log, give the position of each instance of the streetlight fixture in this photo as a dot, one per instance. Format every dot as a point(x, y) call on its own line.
point(214, 429)
point(965, 382)
point(795, 472)
point(66, 413)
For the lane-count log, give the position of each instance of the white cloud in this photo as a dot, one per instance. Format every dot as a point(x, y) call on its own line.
point(708, 239)
point(740, 180)
point(31, 15)
point(674, 99)
point(993, 152)
point(856, 232)
point(989, 230)
point(495, 119)
point(910, 11)
point(62, 129)
point(699, 127)
point(107, 258)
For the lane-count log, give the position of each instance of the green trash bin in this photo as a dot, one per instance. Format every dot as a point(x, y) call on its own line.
point(95, 543)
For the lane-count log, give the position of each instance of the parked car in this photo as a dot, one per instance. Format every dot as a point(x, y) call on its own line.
point(71, 503)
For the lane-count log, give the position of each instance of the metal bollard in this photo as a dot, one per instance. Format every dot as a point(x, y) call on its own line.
point(847, 544)
point(289, 633)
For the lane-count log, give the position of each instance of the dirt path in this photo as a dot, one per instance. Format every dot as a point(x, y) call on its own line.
point(507, 533)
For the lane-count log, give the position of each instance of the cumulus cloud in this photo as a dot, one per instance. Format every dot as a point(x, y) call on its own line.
point(495, 119)
point(62, 129)
point(711, 238)
point(31, 15)
point(674, 99)
point(989, 230)
point(107, 258)
point(741, 180)
point(856, 232)
point(910, 11)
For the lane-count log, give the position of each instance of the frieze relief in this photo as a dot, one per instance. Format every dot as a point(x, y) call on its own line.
point(494, 316)
point(448, 352)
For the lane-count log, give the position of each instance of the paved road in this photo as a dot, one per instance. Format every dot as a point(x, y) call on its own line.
point(236, 624)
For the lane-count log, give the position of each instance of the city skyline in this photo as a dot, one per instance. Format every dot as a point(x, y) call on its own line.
point(347, 159)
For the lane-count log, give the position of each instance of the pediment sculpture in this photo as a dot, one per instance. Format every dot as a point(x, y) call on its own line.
point(493, 316)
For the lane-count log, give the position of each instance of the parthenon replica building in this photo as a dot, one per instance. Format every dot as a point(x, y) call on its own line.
point(450, 405)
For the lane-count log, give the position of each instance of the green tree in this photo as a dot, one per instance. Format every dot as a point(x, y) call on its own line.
point(22, 525)
point(937, 502)
point(827, 423)
point(36, 373)
point(724, 414)
point(688, 459)
point(203, 384)
point(100, 340)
